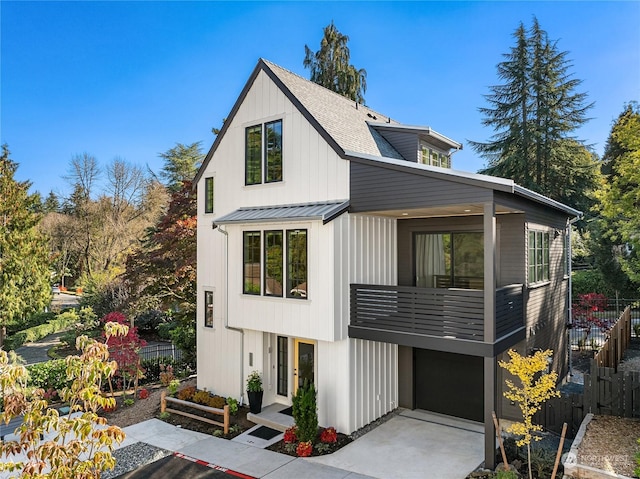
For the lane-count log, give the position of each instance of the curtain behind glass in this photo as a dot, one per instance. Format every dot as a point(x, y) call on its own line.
point(430, 259)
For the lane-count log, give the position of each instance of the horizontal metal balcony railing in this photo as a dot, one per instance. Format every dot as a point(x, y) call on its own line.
point(438, 312)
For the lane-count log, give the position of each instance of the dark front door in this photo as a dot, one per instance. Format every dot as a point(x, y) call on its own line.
point(449, 383)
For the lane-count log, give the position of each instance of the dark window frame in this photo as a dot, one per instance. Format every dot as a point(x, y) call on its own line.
point(261, 169)
point(290, 281)
point(208, 194)
point(283, 366)
point(249, 279)
point(208, 305)
point(266, 268)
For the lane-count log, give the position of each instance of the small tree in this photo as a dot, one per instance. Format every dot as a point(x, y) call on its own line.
point(82, 443)
point(125, 350)
point(305, 413)
point(536, 386)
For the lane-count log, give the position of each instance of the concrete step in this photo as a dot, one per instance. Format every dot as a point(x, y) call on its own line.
point(270, 416)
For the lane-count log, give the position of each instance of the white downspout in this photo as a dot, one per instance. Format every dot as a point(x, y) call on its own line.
point(226, 313)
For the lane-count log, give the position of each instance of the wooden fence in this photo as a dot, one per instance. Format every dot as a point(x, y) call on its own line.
point(619, 338)
point(607, 391)
point(164, 399)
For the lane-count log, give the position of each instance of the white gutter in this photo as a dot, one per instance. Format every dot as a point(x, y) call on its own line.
point(226, 307)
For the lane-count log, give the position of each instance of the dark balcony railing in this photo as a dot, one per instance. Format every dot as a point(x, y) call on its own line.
point(444, 313)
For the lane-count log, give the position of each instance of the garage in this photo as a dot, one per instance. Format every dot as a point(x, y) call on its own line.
point(449, 383)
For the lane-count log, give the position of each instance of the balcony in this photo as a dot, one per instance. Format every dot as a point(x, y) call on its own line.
point(447, 319)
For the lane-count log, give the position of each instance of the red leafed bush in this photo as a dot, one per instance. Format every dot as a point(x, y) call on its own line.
point(304, 449)
point(329, 435)
point(290, 435)
point(143, 394)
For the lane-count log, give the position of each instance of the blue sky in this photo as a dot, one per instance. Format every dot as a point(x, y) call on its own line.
point(131, 79)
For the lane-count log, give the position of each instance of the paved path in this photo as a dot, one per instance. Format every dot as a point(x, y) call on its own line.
point(37, 352)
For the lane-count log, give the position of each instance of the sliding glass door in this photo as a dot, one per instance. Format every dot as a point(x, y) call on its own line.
point(449, 260)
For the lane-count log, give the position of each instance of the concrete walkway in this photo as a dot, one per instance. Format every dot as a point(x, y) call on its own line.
point(411, 445)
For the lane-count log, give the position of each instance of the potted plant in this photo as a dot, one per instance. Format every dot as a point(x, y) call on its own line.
point(254, 392)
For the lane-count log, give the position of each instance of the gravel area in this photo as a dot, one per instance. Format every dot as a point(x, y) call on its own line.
point(610, 444)
point(134, 456)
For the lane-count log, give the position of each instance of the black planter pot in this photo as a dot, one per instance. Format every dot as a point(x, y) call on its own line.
point(255, 401)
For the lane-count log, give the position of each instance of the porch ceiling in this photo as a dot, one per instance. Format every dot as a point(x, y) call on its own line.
point(443, 211)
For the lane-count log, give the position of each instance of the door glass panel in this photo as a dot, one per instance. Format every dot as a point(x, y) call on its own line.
point(468, 260)
point(433, 260)
point(305, 364)
point(283, 359)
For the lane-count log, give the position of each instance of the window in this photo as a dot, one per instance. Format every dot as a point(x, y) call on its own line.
point(283, 361)
point(251, 262)
point(208, 196)
point(277, 273)
point(538, 256)
point(297, 263)
point(273, 263)
point(429, 156)
point(449, 260)
point(263, 147)
point(208, 309)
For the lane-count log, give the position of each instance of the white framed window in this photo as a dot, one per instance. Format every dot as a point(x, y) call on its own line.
point(538, 256)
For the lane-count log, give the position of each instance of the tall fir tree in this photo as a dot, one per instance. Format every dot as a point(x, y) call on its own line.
point(330, 66)
point(534, 113)
point(24, 252)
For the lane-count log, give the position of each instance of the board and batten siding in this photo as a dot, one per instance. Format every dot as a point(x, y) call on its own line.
point(311, 170)
point(373, 366)
point(377, 187)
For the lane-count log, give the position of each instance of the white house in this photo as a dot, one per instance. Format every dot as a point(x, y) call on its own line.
point(338, 246)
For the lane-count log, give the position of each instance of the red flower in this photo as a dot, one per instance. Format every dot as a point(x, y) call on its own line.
point(304, 449)
point(329, 435)
point(290, 435)
point(143, 394)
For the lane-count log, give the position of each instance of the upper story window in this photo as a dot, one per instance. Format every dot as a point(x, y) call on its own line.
point(263, 153)
point(208, 195)
point(538, 256)
point(430, 156)
point(272, 274)
point(208, 309)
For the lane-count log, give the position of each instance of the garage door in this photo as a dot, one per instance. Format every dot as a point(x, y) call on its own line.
point(449, 383)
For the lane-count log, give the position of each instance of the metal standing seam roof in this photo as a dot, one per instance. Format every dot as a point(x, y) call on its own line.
point(308, 211)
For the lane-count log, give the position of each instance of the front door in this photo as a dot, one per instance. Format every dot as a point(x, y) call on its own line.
point(304, 363)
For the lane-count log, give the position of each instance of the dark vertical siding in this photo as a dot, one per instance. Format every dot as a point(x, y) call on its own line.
point(380, 188)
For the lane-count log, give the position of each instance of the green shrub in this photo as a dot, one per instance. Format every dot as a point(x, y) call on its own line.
point(150, 320)
point(152, 367)
point(61, 322)
point(305, 413)
point(164, 329)
point(233, 406)
point(33, 320)
point(50, 374)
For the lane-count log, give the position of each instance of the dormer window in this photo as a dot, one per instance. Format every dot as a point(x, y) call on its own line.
point(263, 153)
point(430, 156)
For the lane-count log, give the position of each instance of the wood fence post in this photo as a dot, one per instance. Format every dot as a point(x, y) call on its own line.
point(226, 419)
point(163, 401)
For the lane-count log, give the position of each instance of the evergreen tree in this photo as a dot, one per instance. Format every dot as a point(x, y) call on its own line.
point(619, 194)
point(181, 164)
point(330, 66)
point(534, 112)
point(24, 253)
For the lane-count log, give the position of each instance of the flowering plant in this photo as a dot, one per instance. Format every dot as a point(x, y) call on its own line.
point(143, 394)
point(329, 435)
point(290, 435)
point(304, 449)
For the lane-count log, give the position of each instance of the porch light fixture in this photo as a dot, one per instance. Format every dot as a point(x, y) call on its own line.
point(405, 214)
point(467, 211)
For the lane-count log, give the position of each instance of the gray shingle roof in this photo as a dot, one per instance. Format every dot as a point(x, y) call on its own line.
point(345, 122)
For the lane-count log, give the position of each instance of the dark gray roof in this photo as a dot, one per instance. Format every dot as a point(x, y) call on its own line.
point(309, 211)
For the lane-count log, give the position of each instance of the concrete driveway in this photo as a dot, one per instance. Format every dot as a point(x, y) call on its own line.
point(412, 445)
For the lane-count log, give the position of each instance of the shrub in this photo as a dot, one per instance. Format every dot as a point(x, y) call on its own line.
point(233, 406)
point(329, 435)
point(59, 323)
point(290, 435)
point(173, 386)
point(50, 374)
point(305, 413)
point(143, 394)
point(34, 320)
point(217, 402)
point(304, 449)
point(187, 393)
point(201, 397)
point(164, 329)
point(150, 320)
point(158, 369)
